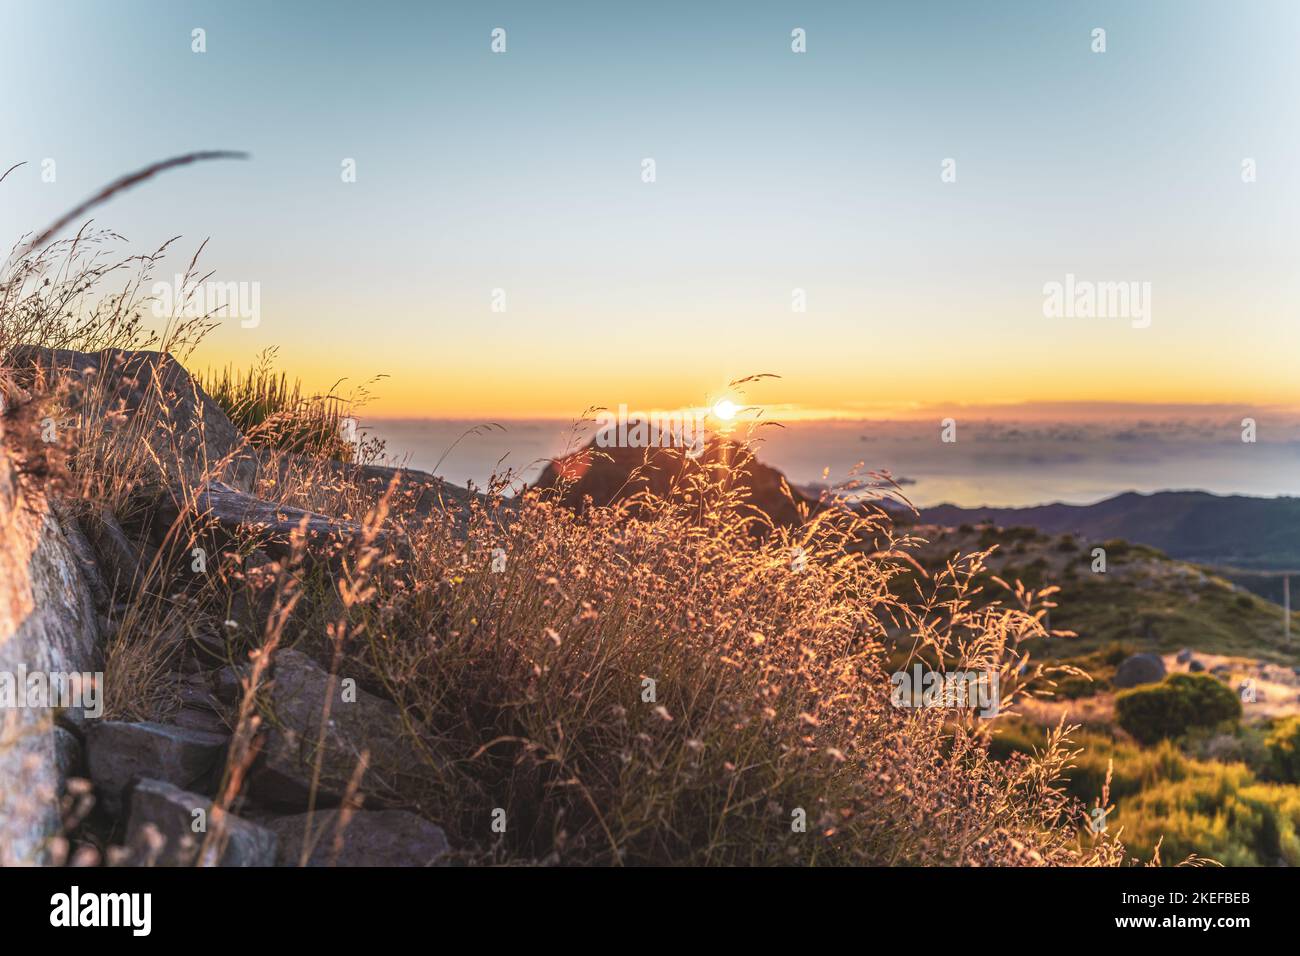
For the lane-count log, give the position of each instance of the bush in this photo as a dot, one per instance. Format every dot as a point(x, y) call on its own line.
point(1221, 813)
point(1283, 745)
point(1169, 709)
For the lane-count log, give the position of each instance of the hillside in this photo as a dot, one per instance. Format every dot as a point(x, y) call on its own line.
point(1227, 531)
point(1145, 601)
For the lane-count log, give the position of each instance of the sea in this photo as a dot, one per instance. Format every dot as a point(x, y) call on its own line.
point(981, 462)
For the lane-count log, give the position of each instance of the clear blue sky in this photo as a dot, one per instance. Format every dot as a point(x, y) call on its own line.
point(775, 171)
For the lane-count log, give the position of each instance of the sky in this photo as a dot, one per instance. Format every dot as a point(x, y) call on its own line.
point(820, 171)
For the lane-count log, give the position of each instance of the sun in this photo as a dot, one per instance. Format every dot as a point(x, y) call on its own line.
point(725, 410)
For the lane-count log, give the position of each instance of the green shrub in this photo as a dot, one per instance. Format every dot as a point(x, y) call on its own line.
point(1168, 709)
point(1283, 745)
point(1221, 813)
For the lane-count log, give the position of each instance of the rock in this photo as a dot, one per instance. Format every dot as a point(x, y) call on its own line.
point(171, 811)
point(192, 436)
point(1139, 669)
point(222, 514)
point(194, 440)
point(48, 624)
point(198, 718)
point(195, 693)
point(118, 753)
point(67, 751)
point(124, 562)
point(610, 474)
point(371, 838)
point(210, 647)
point(370, 725)
point(421, 494)
point(1195, 667)
point(87, 560)
point(1184, 656)
point(227, 684)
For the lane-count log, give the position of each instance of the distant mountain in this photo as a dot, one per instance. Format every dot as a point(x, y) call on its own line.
point(1228, 531)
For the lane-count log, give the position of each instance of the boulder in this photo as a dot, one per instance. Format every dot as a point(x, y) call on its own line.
point(1139, 669)
point(370, 838)
point(124, 563)
point(1195, 667)
point(227, 683)
point(1184, 656)
point(192, 437)
point(221, 514)
point(67, 752)
point(48, 625)
point(119, 753)
point(161, 830)
point(294, 709)
point(201, 718)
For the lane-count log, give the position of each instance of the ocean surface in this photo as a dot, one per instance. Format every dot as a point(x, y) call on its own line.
point(994, 463)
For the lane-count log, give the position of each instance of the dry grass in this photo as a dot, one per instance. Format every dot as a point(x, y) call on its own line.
point(528, 686)
point(274, 412)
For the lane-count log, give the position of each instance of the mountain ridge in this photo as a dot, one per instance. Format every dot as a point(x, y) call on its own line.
point(1236, 531)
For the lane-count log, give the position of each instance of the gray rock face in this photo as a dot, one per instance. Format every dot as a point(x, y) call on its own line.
point(119, 753)
point(161, 830)
point(371, 838)
point(191, 434)
point(48, 625)
point(369, 725)
point(1139, 669)
point(229, 513)
point(67, 751)
point(227, 684)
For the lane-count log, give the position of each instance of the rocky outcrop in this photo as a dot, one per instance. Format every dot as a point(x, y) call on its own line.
point(70, 570)
point(357, 726)
point(222, 514)
point(609, 475)
point(119, 753)
point(149, 397)
point(48, 627)
point(169, 826)
point(363, 838)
